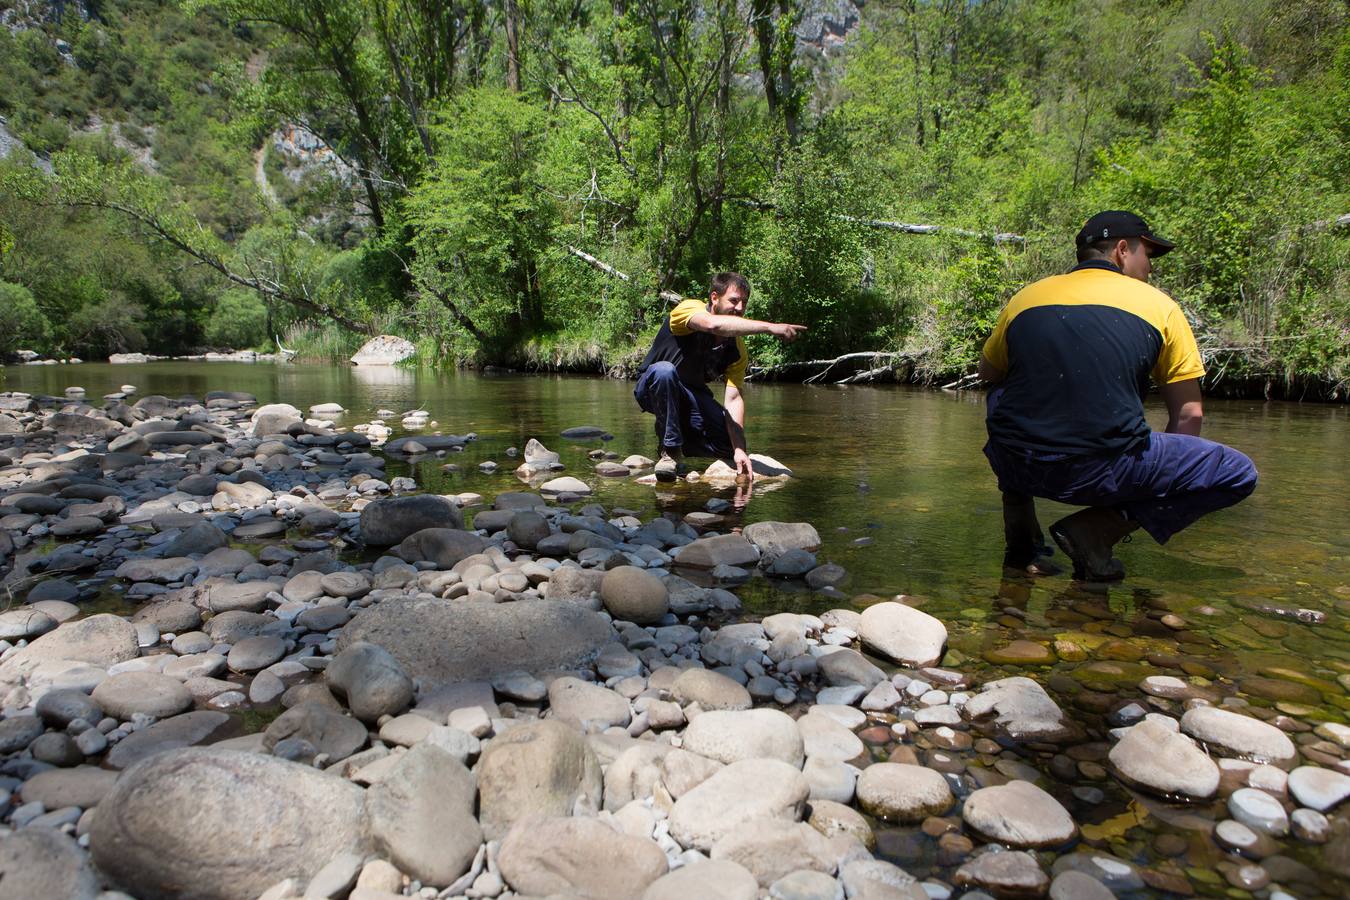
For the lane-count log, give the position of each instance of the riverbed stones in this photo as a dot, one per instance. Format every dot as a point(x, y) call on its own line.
point(254, 653)
point(710, 690)
point(1318, 788)
point(544, 768)
point(706, 880)
point(824, 738)
point(1158, 759)
point(846, 666)
point(421, 816)
point(903, 793)
point(1019, 814)
point(22, 624)
point(1232, 734)
point(388, 520)
point(730, 736)
point(17, 732)
point(741, 792)
point(144, 693)
point(440, 642)
point(370, 680)
point(445, 547)
point(902, 634)
point(61, 707)
point(82, 786)
point(581, 857)
point(180, 818)
point(634, 595)
point(43, 862)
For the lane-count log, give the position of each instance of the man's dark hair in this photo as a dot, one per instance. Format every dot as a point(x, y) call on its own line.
point(723, 280)
point(1102, 249)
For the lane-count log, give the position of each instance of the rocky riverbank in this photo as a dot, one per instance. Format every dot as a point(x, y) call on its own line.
point(241, 661)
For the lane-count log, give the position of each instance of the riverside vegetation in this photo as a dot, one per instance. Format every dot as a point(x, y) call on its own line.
point(242, 661)
point(446, 170)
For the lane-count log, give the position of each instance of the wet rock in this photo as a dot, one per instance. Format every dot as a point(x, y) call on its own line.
point(777, 538)
point(720, 550)
point(443, 546)
point(1154, 757)
point(710, 690)
point(145, 693)
point(578, 857)
point(1019, 814)
point(200, 539)
point(730, 736)
point(565, 485)
point(741, 792)
point(706, 880)
point(1010, 875)
point(442, 642)
point(43, 862)
point(1319, 789)
point(1021, 653)
point(1071, 885)
point(389, 520)
point(185, 730)
point(634, 595)
point(179, 818)
point(902, 634)
point(370, 680)
point(323, 728)
point(1021, 707)
point(421, 816)
point(903, 793)
point(544, 768)
point(874, 879)
point(1229, 733)
point(1258, 811)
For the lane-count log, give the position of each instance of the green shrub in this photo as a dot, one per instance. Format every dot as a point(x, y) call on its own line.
point(238, 321)
point(21, 322)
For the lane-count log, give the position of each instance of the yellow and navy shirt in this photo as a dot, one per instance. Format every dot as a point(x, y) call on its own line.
point(698, 357)
point(1078, 350)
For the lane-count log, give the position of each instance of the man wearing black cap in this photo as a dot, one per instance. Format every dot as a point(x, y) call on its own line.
point(1071, 357)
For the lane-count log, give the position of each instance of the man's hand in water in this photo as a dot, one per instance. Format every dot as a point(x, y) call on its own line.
point(743, 468)
point(744, 491)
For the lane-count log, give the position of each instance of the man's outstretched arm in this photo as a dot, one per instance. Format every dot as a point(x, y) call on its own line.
point(1185, 407)
point(738, 326)
point(734, 401)
point(988, 373)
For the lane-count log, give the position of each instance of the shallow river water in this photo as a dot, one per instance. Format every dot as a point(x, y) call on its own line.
point(894, 480)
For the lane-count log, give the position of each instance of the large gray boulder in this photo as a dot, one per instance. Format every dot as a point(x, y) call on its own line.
point(1019, 814)
point(422, 815)
point(1239, 735)
point(903, 793)
point(1153, 757)
point(720, 550)
point(634, 595)
point(731, 736)
point(776, 538)
point(203, 824)
point(540, 768)
point(384, 350)
point(439, 642)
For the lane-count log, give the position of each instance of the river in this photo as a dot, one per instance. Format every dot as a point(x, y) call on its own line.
point(894, 480)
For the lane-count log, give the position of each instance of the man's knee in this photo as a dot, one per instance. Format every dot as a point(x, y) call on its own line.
point(663, 371)
point(1242, 472)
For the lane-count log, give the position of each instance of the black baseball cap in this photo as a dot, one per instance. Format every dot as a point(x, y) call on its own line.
point(1116, 223)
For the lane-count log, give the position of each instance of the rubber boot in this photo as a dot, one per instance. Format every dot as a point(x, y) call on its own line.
point(1088, 536)
point(1025, 548)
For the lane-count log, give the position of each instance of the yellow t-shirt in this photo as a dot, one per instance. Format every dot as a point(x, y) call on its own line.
point(679, 326)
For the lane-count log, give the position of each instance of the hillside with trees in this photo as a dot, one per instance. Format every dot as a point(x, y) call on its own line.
point(525, 182)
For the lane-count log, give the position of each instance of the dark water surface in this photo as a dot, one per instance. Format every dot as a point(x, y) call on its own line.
point(894, 480)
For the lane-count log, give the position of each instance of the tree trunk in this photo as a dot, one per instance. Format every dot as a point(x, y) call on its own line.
point(513, 45)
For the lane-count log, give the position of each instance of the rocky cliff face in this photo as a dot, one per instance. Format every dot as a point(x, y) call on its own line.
point(827, 25)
